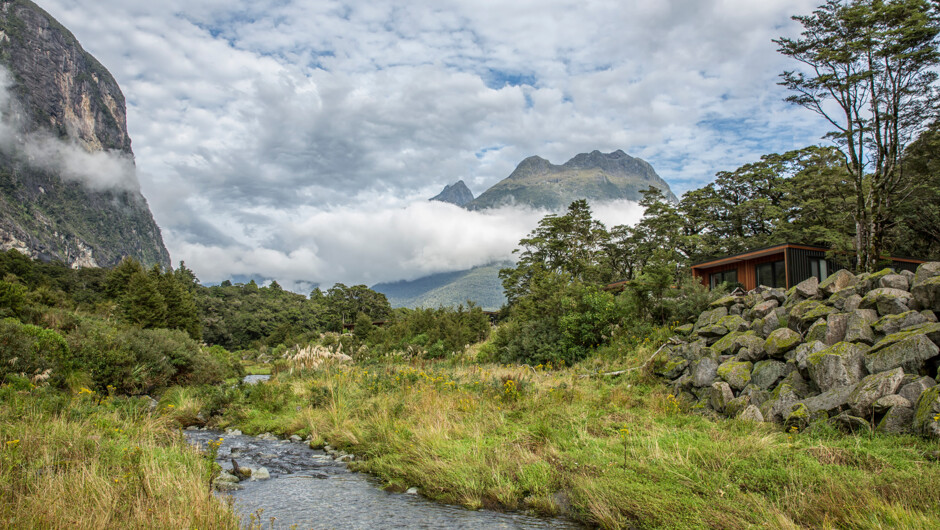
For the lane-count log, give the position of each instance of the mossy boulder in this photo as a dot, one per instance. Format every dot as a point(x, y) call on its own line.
point(911, 391)
point(765, 326)
point(764, 308)
point(867, 282)
point(766, 374)
point(838, 281)
point(897, 420)
point(672, 369)
point(685, 329)
point(725, 301)
point(889, 324)
point(780, 341)
point(736, 373)
point(927, 294)
point(720, 395)
point(704, 372)
point(841, 364)
point(871, 388)
point(713, 331)
point(728, 344)
point(798, 418)
point(927, 413)
point(750, 347)
point(818, 331)
point(894, 281)
point(803, 351)
point(710, 317)
point(908, 354)
point(734, 323)
point(831, 402)
point(858, 328)
point(887, 301)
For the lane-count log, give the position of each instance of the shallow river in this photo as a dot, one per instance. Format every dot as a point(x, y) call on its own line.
point(308, 489)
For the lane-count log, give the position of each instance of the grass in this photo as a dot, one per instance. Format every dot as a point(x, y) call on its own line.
point(92, 461)
point(553, 442)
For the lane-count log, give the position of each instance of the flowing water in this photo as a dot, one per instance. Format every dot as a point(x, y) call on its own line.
point(308, 489)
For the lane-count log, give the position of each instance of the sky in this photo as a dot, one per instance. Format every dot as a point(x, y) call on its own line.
point(300, 140)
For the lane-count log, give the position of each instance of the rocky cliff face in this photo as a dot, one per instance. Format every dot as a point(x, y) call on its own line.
point(457, 193)
point(594, 176)
point(860, 352)
point(68, 188)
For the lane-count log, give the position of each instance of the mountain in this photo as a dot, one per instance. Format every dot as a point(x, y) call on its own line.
point(594, 176)
point(457, 193)
point(481, 285)
point(68, 185)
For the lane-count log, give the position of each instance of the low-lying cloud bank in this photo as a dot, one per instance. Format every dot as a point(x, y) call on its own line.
point(353, 245)
point(98, 170)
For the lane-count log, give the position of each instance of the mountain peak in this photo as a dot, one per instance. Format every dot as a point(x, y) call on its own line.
point(457, 193)
point(595, 176)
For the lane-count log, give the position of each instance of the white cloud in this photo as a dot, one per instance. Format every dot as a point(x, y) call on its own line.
point(252, 118)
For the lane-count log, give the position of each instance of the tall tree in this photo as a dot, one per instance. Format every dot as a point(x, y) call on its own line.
point(869, 71)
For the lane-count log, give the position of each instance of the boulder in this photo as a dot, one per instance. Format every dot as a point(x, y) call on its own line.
point(871, 388)
point(750, 347)
point(710, 317)
point(889, 324)
point(858, 327)
point(721, 394)
point(805, 313)
point(803, 351)
point(912, 391)
point(927, 413)
point(897, 420)
point(765, 326)
point(908, 353)
point(894, 281)
point(808, 288)
point(780, 404)
point(736, 406)
point(704, 372)
point(849, 424)
point(851, 303)
point(839, 299)
point(836, 325)
point(781, 341)
point(799, 386)
point(728, 345)
point(673, 368)
point(867, 282)
point(734, 323)
point(766, 374)
point(725, 301)
point(818, 331)
point(799, 418)
point(764, 308)
point(926, 286)
point(712, 331)
point(751, 413)
point(839, 365)
point(837, 281)
point(684, 329)
point(260, 474)
point(887, 301)
point(736, 373)
point(885, 403)
point(831, 402)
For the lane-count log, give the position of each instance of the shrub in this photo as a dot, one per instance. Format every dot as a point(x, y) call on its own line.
point(38, 353)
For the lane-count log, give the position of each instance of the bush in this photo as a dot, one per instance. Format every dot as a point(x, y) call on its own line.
point(38, 353)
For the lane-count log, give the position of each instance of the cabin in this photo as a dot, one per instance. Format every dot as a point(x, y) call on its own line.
point(783, 266)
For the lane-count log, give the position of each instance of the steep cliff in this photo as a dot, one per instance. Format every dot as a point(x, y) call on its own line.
point(68, 186)
point(457, 193)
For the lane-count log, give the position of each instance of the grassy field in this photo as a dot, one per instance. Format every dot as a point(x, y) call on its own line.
point(608, 451)
point(89, 461)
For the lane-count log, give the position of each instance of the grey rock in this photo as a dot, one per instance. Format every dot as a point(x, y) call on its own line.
point(765, 326)
point(232, 432)
point(832, 402)
point(720, 395)
point(803, 351)
point(808, 289)
point(926, 286)
point(755, 395)
point(781, 341)
point(889, 324)
point(733, 323)
point(736, 373)
point(894, 281)
point(849, 424)
point(839, 365)
point(926, 413)
point(751, 347)
point(751, 413)
point(887, 301)
point(912, 391)
point(836, 325)
point(885, 403)
point(897, 420)
point(710, 317)
point(929, 315)
point(411, 491)
point(871, 388)
point(858, 327)
point(799, 386)
point(837, 281)
point(909, 354)
point(852, 303)
point(295, 438)
point(767, 373)
point(261, 473)
point(705, 372)
point(764, 308)
point(818, 331)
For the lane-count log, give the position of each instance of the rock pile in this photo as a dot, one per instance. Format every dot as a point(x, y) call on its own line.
point(858, 351)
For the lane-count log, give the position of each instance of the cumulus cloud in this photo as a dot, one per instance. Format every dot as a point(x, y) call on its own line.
point(98, 170)
point(252, 118)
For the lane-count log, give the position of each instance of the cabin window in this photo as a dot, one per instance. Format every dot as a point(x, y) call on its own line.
point(773, 274)
point(819, 268)
point(718, 278)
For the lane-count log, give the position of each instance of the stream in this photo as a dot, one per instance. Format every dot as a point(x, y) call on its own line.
point(307, 488)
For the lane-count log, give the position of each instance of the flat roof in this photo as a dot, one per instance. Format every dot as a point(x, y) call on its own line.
point(768, 251)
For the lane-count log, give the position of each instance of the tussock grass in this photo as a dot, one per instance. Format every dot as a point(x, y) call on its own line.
point(87, 461)
point(553, 441)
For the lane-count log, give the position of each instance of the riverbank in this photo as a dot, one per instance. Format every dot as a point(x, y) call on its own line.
point(612, 451)
point(85, 460)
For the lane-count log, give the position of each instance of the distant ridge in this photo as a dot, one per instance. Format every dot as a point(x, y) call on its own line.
point(457, 193)
point(594, 176)
point(481, 285)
